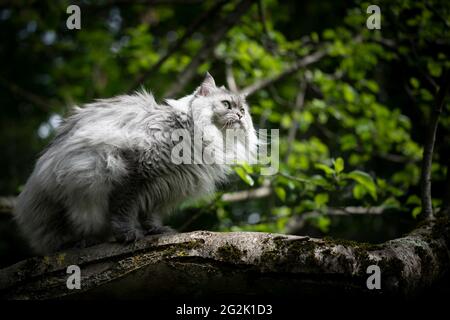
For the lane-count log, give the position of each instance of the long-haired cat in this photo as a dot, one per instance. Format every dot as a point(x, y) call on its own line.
point(110, 169)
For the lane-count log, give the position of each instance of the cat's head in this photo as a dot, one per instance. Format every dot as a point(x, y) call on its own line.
point(223, 108)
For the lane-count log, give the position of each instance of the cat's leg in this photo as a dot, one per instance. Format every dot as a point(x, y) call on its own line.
point(124, 210)
point(151, 213)
point(153, 225)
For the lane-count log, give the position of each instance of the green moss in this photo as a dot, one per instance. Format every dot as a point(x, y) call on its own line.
point(269, 256)
point(180, 249)
point(289, 253)
point(351, 243)
point(230, 252)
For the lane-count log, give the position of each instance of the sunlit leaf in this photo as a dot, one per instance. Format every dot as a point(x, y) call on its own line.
point(324, 168)
point(416, 211)
point(244, 176)
point(365, 180)
point(321, 199)
point(339, 165)
point(281, 193)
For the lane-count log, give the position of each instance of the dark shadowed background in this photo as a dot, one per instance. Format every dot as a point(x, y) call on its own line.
point(351, 104)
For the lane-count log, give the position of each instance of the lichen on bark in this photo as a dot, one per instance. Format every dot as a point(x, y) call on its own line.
point(202, 264)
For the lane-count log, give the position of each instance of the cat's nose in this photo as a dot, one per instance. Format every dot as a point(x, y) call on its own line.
point(239, 115)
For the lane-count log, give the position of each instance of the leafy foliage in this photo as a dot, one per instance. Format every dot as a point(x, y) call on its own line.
point(351, 125)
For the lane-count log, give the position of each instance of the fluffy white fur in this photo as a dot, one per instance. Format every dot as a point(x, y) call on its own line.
point(108, 172)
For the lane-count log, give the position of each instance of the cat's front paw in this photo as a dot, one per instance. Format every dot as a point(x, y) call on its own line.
point(158, 230)
point(129, 235)
point(85, 243)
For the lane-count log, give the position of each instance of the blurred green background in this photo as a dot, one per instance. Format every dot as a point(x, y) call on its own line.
point(352, 123)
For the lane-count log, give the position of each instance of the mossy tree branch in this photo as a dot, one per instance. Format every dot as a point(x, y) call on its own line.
point(204, 264)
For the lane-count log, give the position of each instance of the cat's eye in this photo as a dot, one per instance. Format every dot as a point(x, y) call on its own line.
point(242, 110)
point(227, 104)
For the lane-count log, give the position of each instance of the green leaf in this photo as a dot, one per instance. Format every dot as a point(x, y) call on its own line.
point(248, 168)
point(319, 180)
point(391, 203)
point(328, 34)
point(244, 176)
point(282, 211)
point(281, 193)
point(359, 191)
point(365, 180)
point(349, 94)
point(414, 82)
point(413, 199)
point(321, 199)
point(416, 212)
point(323, 223)
point(434, 68)
point(324, 168)
point(339, 165)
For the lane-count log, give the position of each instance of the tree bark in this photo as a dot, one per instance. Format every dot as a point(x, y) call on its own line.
point(202, 264)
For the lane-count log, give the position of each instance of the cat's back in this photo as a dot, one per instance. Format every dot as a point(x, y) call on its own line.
point(89, 142)
point(118, 121)
point(114, 113)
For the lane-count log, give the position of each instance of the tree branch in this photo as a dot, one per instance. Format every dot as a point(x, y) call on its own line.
point(216, 36)
point(38, 101)
point(296, 223)
point(146, 2)
point(299, 103)
point(303, 62)
point(446, 199)
point(188, 33)
point(245, 195)
point(203, 264)
point(231, 81)
point(262, 17)
point(7, 204)
point(427, 207)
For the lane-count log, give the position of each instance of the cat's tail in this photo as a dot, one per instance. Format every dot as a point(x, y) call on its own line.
point(39, 218)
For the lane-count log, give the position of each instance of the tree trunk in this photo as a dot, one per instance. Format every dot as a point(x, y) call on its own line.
point(203, 264)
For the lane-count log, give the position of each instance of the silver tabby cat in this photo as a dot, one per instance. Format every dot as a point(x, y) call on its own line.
point(109, 171)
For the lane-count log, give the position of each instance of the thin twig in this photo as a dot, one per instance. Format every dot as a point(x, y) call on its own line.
point(38, 101)
point(7, 204)
point(188, 33)
point(205, 52)
point(287, 176)
point(266, 39)
point(303, 62)
point(262, 17)
point(201, 211)
point(299, 103)
point(427, 207)
point(146, 2)
point(231, 81)
point(446, 199)
point(243, 195)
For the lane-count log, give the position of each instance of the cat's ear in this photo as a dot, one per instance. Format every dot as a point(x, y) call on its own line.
point(207, 87)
